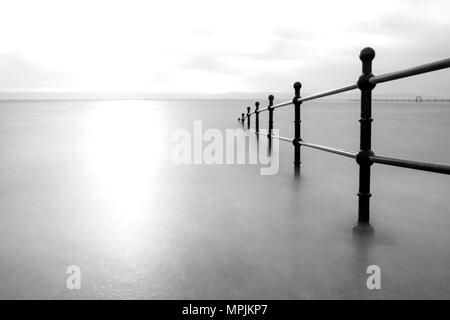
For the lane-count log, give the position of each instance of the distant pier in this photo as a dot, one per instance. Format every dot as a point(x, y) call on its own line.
point(416, 99)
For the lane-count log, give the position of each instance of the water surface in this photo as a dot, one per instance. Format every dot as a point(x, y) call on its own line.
point(91, 183)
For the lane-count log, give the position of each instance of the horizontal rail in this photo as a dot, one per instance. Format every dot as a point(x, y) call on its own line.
point(314, 146)
point(282, 104)
point(314, 96)
point(283, 138)
point(411, 164)
point(276, 137)
point(328, 149)
point(329, 92)
point(424, 68)
point(428, 67)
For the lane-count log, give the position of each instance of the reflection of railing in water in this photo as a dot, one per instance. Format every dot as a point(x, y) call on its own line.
point(365, 157)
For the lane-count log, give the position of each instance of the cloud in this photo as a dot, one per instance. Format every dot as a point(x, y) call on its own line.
point(209, 63)
point(17, 72)
point(233, 46)
point(285, 44)
point(203, 31)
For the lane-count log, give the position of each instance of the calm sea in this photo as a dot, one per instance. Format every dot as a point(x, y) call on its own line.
point(91, 183)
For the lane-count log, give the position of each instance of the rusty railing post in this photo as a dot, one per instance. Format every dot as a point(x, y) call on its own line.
point(248, 117)
point(257, 117)
point(363, 157)
point(297, 121)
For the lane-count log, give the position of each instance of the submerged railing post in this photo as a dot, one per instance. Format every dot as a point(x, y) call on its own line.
point(363, 157)
point(297, 121)
point(257, 117)
point(243, 119)
point(248, 117)
point(270, 109)
point(270, 131)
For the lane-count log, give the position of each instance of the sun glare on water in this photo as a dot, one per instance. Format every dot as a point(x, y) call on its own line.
point(123, 148)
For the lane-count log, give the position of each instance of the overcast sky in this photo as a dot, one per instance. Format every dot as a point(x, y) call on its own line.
point(218, 46)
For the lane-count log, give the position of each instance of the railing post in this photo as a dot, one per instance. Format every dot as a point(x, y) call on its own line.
point(248, 117)
point(257, 117)
point(362, 158)
point(297, 121)
point(270, 109)
point(243, 119)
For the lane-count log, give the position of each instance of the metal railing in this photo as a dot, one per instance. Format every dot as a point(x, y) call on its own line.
point(365, 157)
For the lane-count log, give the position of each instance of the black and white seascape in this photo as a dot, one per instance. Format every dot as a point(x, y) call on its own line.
point(224, 150)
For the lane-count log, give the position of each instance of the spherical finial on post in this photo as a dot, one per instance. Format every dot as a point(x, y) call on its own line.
point(248, 109)
point(271, 100)
point(297, 87)
point(367, 54)
point(256, 105)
